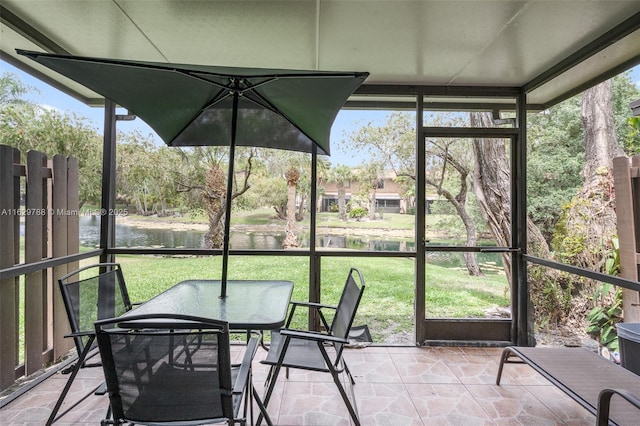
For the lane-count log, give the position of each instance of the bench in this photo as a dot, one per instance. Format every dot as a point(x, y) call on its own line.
point(600, 386)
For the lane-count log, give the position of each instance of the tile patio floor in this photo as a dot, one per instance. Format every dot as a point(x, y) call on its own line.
point(395, 386)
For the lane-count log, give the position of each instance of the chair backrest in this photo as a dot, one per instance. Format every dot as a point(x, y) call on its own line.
point(348, 304)
point(93, 293)
point(166, 368)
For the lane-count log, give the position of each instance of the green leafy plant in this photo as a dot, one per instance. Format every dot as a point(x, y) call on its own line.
point(358, 213)
point(603, 318)
point(612, 264)
point(607, 299)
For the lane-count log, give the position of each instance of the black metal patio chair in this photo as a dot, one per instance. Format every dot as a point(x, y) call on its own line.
point(307, 350)
point(174, 369)
point(89, 294)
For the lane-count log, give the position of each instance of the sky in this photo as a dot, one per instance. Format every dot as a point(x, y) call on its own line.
point(345, 123)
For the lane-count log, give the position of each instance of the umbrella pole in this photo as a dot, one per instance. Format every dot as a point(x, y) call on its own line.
point(228, 197)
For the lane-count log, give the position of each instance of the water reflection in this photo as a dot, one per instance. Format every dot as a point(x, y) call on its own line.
point(131, 236)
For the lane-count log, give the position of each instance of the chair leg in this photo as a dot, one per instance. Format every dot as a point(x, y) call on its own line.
point(265, 400)
point(67, 386)
point(273, 373)
point(504, 358)
point(346, 369)
point(263, 409)
point(336, 379)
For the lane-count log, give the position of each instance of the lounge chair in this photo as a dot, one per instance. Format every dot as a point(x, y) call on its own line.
point(587, 378)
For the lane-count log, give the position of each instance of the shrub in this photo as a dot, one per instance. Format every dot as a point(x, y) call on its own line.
point(358, 213)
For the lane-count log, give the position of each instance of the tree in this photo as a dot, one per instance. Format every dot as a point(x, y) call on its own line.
point(26, 125)
point(146, 174)
point(340, 175)
point(294, 168)
point(491, 186)
point(369, 176)
point(592, 208)
point(12, 90)
point(207, 177)
point(555, 157)
point(323, 167)
point(392, 145)
point(271, 191)
point(600, 142)
point(556, 151)
point(624, 91)
point(586, 232)
point(447, 171)
point(292, 175)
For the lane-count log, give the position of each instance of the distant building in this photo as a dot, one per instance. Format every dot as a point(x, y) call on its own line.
point(389, 197)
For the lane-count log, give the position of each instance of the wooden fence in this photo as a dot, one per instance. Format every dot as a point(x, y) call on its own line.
point(626, 176)
point(40, 197)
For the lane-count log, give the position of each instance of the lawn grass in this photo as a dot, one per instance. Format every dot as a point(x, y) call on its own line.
point(387, 305)
point(388, 300)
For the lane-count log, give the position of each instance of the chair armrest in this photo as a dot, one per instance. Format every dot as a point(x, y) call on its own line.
point(604, 402)
point(314, 305)
point(306, 335)
point(311, 305)
point(80, 334)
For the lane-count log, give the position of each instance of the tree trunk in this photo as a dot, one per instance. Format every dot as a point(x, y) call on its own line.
point(291, 238)
point(372, 203)
point(491, 186)
point(215, 201)
point(590, 218)
point(600, 143)
point(342, 211)
point(591, 214)
point(459, 204)
point(300, 213)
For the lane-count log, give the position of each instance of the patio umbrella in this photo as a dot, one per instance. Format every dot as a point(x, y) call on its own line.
point(199, 105)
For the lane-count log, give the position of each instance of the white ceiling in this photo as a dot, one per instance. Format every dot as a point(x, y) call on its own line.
point(498, 43)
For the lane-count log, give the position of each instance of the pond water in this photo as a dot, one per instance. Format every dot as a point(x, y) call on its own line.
point(131, 236)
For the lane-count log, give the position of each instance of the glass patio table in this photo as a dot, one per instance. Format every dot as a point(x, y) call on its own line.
point(249, 305)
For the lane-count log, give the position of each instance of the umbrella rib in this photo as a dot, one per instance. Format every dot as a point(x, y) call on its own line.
point(219, 97)
point(191, 73)
point(232, 79)
point(183, 68)
point(268, 105)
point(252, 87)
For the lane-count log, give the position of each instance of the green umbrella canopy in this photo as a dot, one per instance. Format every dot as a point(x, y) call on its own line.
point(192, 105)
point(195, 105)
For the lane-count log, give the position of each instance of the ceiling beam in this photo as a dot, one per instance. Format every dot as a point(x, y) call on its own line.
point(435, 90)
point(625, 66)
point(607, 39)
point(21, 27)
